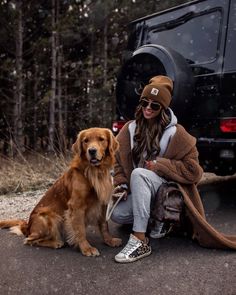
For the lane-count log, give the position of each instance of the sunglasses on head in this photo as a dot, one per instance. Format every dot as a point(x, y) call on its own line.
point(155, 106)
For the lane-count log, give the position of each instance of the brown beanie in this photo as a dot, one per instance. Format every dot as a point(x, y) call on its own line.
point(159, 89)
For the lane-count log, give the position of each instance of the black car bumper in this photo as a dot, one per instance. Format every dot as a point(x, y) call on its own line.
point(217, 155)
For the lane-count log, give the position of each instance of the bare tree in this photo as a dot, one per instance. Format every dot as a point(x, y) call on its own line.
point(53, 79)
point(105, 34)
point(18, 94)
point(61, 127)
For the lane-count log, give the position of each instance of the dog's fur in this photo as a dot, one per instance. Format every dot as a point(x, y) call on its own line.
point(79, 197)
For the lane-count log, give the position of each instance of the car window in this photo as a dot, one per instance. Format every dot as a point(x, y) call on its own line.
point(196, 37)
point(230, 57)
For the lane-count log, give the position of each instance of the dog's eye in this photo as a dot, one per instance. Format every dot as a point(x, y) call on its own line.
point(101, 138)
point(85, 140)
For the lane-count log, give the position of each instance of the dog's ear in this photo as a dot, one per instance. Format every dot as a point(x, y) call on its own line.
point(113, 143)
point(77, 146)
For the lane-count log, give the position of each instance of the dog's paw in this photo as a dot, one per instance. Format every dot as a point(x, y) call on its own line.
point(30, 242)
point(58, 244)
point(114, 242)
point(91, 251)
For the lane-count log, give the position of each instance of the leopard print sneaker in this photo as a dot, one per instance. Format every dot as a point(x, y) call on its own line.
point(134, 250)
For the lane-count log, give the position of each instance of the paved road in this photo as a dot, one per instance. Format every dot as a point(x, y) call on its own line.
point(176, 266)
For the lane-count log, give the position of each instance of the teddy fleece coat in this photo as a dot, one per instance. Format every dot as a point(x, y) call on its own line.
point(179, 163)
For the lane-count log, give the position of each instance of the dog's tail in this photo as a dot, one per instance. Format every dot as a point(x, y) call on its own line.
point(16, 226)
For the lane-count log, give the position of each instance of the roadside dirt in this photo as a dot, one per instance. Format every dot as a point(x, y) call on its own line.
point(19, 205)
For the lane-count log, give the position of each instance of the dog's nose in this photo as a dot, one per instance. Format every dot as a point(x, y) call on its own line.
point(92, 151)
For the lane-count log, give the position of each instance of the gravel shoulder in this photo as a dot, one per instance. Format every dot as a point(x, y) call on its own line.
point(19, 205)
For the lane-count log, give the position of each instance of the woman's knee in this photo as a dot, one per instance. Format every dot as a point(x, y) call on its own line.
point(143, 177)
point(142, 173)
point(138, 172)
point(145, 173)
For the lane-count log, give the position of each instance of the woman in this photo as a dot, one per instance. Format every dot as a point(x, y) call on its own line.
point(153, 149)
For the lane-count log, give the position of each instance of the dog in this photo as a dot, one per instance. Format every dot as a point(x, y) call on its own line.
point(78, 198)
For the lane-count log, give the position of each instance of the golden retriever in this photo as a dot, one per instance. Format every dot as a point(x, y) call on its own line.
point(79, 197)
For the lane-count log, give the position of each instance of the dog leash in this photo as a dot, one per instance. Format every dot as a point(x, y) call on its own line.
point(113, 203)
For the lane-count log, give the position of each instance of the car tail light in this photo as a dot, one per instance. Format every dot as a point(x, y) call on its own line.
point(116, 126)
point(228, 125)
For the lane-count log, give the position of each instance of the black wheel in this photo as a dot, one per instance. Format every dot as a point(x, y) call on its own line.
point(146, 62)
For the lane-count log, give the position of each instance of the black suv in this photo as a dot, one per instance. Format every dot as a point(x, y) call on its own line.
point(195, 45)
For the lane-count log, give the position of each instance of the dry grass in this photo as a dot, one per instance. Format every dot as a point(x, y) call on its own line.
point(37, 171)
point(31, 172)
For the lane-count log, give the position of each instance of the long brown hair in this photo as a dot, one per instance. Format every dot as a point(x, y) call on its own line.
point(147, 136)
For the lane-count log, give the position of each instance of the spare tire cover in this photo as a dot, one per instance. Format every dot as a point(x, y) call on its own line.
point(148, 61)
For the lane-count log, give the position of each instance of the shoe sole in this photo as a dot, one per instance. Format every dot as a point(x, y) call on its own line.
point(133, 259)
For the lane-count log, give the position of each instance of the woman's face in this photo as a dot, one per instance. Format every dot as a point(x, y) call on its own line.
point(151, 109)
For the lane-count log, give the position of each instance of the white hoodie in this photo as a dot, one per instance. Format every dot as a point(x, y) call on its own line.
point(166, 136)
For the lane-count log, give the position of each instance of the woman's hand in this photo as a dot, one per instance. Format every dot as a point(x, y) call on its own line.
point(120, 190)
point(150, 165)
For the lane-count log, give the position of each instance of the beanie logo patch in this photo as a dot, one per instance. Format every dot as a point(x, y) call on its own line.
point(154, 91)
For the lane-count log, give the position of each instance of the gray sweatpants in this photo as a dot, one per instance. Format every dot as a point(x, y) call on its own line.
point(144, 185)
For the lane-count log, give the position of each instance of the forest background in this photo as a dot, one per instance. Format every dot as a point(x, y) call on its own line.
point(58, 66)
